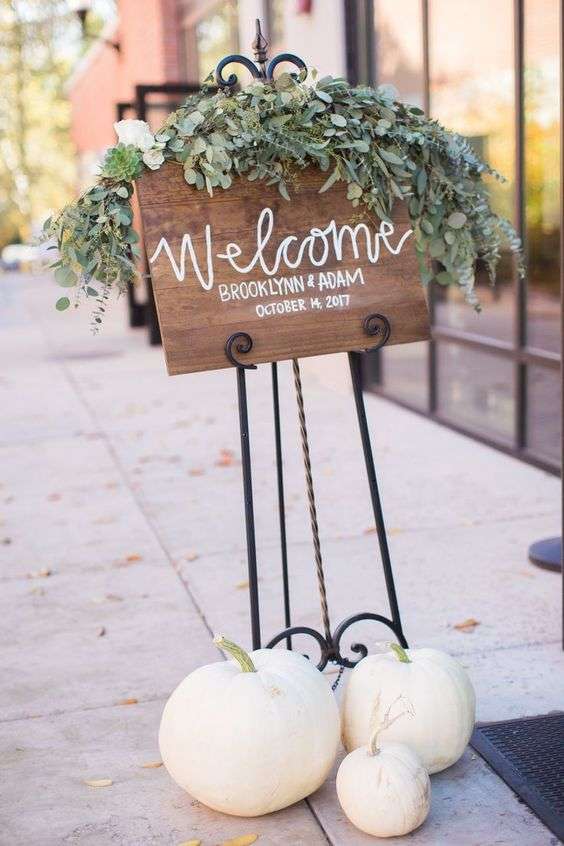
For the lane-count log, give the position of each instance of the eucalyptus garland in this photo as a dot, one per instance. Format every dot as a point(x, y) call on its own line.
point(383, 149)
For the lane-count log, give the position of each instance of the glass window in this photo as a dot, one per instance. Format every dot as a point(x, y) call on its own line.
point(543, 413)
point(398, 31)
point(216, 36)
point(475, 390)
point(404, 372)
point(399, 48)
point(542, 172)
point(471, 67)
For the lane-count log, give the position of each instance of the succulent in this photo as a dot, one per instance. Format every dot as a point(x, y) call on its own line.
point(122, 163)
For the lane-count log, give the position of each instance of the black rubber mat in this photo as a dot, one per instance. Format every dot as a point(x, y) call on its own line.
point(528, 754)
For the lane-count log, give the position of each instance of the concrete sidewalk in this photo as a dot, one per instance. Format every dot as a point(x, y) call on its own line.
point(122, 550)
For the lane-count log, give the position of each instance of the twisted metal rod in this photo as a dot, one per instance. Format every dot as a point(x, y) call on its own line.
point(311, 503)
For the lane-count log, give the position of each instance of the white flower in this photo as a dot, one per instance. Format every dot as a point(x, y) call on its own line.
point(153, 158)
point(136, 133)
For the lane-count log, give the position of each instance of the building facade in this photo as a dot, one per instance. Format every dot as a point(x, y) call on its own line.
point(491, 71)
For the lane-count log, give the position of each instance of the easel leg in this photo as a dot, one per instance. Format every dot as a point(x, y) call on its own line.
point(249, 510)
point(281, 505)
point(354, 362)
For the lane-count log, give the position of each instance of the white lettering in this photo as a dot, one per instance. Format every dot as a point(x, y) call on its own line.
point(318, 243)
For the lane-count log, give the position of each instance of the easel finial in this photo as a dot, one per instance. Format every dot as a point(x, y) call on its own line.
point(260, 47)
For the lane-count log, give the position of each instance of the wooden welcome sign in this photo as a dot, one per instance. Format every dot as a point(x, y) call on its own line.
point(301, 277)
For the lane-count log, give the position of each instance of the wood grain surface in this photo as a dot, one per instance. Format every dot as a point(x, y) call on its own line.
point(196, 323)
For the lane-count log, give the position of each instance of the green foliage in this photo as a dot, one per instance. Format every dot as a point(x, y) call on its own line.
point(96, 244)
point(122, 164)
point(383, 149)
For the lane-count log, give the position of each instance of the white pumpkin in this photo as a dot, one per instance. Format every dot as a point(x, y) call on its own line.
point(251, 735)
point(384, 791)
point(438, 690)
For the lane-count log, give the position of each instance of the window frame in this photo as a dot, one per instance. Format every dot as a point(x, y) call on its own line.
point(361, 66)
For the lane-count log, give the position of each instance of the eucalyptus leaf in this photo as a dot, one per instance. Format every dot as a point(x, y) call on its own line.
point(66, 277)
point(456, 220)
point(330, 181)
point(421, 181)
point(436, 248)
point(283, 190)
point(391, 157)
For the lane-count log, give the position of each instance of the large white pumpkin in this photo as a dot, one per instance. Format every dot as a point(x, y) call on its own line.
point(384, 791)
point(251, 735)
point(438, 690)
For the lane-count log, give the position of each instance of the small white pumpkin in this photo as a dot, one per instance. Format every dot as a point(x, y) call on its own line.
point(440, 693)
point(251, 735)
point(383, 788)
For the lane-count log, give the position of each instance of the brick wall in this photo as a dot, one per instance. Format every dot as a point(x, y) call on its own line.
point(148, 33)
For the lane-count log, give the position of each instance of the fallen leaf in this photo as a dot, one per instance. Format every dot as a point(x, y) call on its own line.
point(44, 573)
point(152, 765)
point(190, 843)
point(99, 600)
point(131, 700)
point(226, 458)
point(467, 626)
point(196, 471)
point(192, 556)
point(243, 840)
point(133, 557)
point(242, 585)
point(101, 631)
point(98, 782)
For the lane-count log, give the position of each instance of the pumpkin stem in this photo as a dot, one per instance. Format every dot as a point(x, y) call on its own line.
point(243, 658)
point(400, 653)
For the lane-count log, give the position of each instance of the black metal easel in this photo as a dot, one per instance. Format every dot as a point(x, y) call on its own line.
point(377, 327)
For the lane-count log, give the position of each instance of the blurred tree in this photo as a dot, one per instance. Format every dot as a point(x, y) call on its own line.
point(39, 40)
